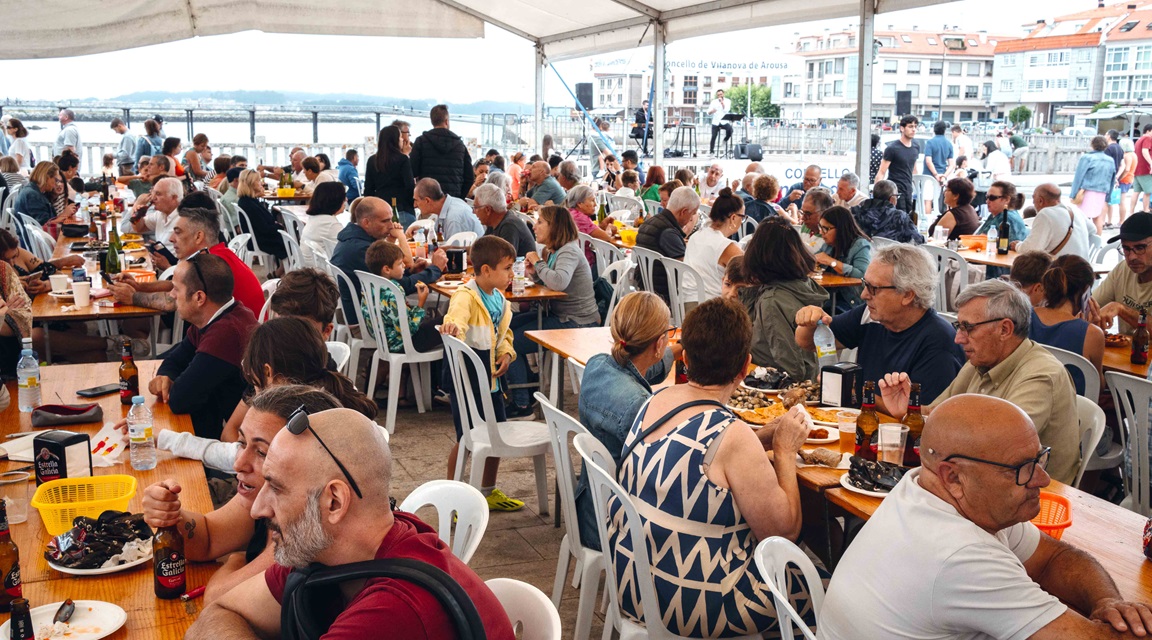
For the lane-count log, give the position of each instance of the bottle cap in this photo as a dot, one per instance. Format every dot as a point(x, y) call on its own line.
point(137, 399)
point(25, 352)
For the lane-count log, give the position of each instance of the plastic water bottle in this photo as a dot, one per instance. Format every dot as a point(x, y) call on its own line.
point(28, 378)
point(519, 282)
point(825, 345)
point(26, 345)
point(143, 445)
point(993, 238)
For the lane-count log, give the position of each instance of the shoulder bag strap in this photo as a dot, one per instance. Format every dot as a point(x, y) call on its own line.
point(298, 623)
point(1067, 236)
point(659, 423)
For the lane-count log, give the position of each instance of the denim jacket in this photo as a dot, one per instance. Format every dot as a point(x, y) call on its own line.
point(610, 398)
point(1094, 172)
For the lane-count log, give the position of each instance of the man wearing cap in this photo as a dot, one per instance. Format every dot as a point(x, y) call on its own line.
point(230, 196)
point(327, 483)
point(1128, 287)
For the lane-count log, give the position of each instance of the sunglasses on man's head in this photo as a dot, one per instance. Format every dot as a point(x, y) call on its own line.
point(298, 422)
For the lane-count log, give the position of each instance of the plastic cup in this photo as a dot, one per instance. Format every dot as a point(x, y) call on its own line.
point(893, 438)
point(941, 235)
point(82, 292)
point(14, 491)
point(59, 282)
point(847, 422)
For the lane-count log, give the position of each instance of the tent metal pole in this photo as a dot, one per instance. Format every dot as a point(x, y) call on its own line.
point(864, 88)
point(538, 106)
point(658, 99)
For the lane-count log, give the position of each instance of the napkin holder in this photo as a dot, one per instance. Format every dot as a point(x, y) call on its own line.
point(457, 259)
point(841, 385)
point(61, 454)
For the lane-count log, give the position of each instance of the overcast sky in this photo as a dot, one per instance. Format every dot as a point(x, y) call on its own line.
point(498, 67)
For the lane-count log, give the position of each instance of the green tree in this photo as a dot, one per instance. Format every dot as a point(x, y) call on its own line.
point(762, 106)
point(1019, 115)
point(1107, 104)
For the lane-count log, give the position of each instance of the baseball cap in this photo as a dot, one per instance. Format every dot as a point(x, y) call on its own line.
point(158, 118)
point(233, 173)
point(1137, 226)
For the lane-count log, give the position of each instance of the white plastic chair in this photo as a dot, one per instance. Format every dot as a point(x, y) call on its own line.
point(239, 245)
point(606, 254)
point(483, 436)
point(576, 373)
point(227, 220)
point(879, 242)
point(461, 239)
point(651, 208)
point(1095, 243)
point(1090, 373)
point(589, 562)
point(773, 556)
point(255, 253)
point(620, 274)
point(532, 616)
point(340, 353)
point(7, 220)
point(601, 471)
point(924, 188)
point(747, 228)
point(678, 272)
point(455, 502)
point(1091, 430)
point(427, 224)
point(1102, 254)
point(1132, 396)
point(646, 260)
point(959, 267)
point(625, 203)
point(295, 259)
point(268, 288)
point(419, 362)
point(353, 315)
point(292, 223)
point(177, 331)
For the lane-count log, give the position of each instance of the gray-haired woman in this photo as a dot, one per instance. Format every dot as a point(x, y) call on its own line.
point(581, 202)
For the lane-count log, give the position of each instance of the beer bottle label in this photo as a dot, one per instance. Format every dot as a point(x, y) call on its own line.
point(130, 385)
point(12, 585)
point(170, 570)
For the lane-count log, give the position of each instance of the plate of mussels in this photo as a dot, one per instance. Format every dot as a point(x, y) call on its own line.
point(114, 542)
point(767, 379)
point(872, 477)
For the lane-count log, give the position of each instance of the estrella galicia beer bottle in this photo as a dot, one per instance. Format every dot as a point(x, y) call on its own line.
point(168, 562)
point(20, 624)
point(9, 564)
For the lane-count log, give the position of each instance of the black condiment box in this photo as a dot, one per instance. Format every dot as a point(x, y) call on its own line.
point(457, 259)
point(841, 385)
point(61, 454)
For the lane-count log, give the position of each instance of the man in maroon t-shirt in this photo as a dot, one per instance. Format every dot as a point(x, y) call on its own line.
point(195, 230)
point(1142, 186)
point(317, 512)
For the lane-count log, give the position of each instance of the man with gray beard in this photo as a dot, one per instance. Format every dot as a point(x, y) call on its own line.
point(325, 497)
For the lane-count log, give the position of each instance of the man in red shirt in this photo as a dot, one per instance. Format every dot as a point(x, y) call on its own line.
point(195, 230)
point(1143, 181)
point(318, 512)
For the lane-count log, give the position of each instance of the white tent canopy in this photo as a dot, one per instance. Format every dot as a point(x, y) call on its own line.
point(55, 28)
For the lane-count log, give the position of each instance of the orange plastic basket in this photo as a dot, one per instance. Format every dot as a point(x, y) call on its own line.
point(1055, 514)
point(141, 275)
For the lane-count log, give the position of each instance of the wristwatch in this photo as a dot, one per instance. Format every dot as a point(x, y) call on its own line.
point(833, 265)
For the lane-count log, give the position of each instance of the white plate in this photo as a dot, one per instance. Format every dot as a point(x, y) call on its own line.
point(100, 572)
point(825, 423)
point(854, 489)
point(93, 619)
point(844, 462)
point(833, 436)
point(61, 295)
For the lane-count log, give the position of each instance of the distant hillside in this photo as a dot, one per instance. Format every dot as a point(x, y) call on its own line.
point(288, 98)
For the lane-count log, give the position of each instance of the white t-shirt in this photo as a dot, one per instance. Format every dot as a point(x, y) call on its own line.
point(161, 225)
point(20, 147)
point(918, 569)
point(702, 254)
point(999, 165)
point(707, 191)
point(627, 192)
point(721, 109)
point(1049, 228)
point(962, 146)
point(316, 230)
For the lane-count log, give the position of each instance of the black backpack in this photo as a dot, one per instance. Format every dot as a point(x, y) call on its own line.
point(310, 592)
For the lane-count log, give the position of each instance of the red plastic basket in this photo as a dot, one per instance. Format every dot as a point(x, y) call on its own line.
point(1055, 514)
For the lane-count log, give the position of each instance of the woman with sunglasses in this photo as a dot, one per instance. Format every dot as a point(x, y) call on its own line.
point(709, 249)
point(229, 532)
point(846, 252)
point(1003, 201)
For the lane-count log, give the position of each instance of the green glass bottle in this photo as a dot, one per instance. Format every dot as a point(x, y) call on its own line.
point(112, 263)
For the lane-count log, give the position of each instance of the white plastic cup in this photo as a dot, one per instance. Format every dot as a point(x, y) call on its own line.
point(14, 492)
point(893, 438)
point(59, 282)
point(82, 292)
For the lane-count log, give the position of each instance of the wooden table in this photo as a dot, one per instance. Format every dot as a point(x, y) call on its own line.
point(833, 281)
point(1109, 533)
point(1005, 261)
point(1120, 359)
point(148, 617)
point(273, 198)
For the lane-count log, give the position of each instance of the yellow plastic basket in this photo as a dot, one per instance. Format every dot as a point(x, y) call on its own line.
point(60, 501)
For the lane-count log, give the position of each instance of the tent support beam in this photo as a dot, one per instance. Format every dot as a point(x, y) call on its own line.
point(658, 99)
point(591, 31)
point(639, 7)
point(489, 19)
point(864, 88)
point(538, 106)
point(696, 9)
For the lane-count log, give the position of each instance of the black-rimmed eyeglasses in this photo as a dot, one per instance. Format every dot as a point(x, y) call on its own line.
point(967, 327)
point(873, 288)
point(298, 422)
point(1024, 471)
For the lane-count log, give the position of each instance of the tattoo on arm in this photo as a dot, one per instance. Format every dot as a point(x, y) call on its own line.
point(159, 300)
point(190, 529)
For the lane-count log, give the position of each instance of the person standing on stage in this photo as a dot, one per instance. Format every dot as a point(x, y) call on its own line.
point(718, 108)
